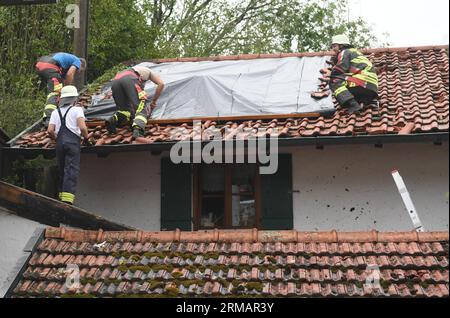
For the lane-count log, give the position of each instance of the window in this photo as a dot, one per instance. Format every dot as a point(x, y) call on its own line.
point(226, 196)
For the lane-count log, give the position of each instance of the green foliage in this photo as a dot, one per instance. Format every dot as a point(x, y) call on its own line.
point(155, 285)
point(122, 30)
point(18, 113)
point(203, 28)
point(24, 170)
point(145, 269)
point(424, 285)
point(122, 268)
point(177, 275)
point(136, 258)
point(118, 32)
point(255, 286)
point(309, 26)
point(172, 291)
point(106, 77)
point(85, 281)
point(385, 284)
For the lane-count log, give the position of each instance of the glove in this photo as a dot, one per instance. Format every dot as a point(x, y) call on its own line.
point(88, 143)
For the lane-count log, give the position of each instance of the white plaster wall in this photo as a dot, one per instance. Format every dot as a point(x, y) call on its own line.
point(350, 187)
point(123, 187)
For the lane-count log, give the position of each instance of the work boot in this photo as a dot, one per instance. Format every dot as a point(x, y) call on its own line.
point(353, 107)
point(111, 125)
point(138, 132)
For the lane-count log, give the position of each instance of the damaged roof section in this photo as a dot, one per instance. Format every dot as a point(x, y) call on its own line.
point(414, 99)
point(232, 88)
point(238, 263)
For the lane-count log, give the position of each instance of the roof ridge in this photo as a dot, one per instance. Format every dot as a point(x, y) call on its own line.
point(245, 236)
point(300, 54)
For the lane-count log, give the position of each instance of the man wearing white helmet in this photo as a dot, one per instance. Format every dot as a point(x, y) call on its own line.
point(131, 99)
point(67, 124)
point(353, 79)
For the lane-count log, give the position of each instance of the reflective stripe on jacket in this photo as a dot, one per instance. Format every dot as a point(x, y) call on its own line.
point(356, 69)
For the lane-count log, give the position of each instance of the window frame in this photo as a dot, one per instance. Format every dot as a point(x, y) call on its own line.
point(228, 196)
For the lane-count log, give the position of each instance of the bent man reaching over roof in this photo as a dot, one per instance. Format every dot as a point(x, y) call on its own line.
point(131, 99)
point(56, 71)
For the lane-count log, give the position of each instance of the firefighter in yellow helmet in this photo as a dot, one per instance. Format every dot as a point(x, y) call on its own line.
point(353, 79)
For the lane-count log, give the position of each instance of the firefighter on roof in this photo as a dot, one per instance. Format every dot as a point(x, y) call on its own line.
point(56, 71)
point(132, 102)
point(353, 79)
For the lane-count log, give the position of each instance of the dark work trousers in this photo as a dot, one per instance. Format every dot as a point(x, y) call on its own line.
point(50, 73)
point(131, 100)
point(363, 95)
point(68, 149)
point(348, 92)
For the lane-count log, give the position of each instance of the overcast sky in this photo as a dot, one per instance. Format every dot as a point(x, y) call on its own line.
point(409, 22)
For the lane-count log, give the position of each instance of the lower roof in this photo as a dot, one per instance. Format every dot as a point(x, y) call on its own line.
point(239, 263)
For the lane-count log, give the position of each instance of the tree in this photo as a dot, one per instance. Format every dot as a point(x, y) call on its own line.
point(123, 30)
point(205, 27)
point(310, 25)
point(118, 32)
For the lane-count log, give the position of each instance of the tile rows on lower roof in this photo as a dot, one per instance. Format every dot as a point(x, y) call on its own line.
point(53, 246)
point(153, 289)
point(187, 269)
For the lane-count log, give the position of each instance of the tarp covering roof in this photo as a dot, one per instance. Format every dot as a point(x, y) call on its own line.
point(231, 88)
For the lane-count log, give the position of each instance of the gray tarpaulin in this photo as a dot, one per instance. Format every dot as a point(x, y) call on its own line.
point(231, 88)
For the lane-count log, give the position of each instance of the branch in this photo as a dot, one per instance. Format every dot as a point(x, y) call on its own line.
point(170, 8)
point(251, 7)
point(190, 14)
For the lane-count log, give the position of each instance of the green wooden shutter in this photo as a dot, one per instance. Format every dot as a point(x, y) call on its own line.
point(176, 196)
point(277, 204)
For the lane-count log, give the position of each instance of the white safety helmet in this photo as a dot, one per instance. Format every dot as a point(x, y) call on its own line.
point(69, 95)
point(341, 39)
point(69, 91)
